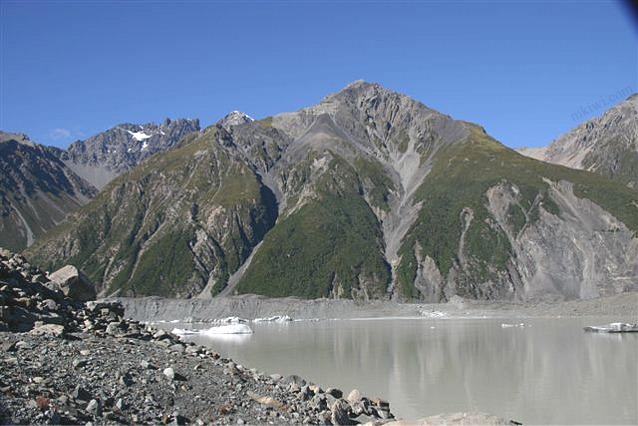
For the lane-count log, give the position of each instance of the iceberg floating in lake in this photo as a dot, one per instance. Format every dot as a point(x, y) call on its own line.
point(233, 320)
point(221, 329)
point(276, 318)
point(614, 327)
point(521, 325)
point(433, 314)
point(227, 329)
point(183, 332)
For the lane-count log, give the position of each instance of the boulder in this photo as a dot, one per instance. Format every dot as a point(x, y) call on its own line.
point(336, 393)
point(74, 283)
point(354, 396)
point(341, 413)
point(55, 330)
point(169, 373)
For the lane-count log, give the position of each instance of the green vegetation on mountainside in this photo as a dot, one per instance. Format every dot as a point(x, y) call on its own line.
point(137, 236)
point(460, 178)
point(330, 245)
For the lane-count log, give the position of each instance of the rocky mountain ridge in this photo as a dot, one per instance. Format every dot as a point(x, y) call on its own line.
point(102, 157)
point(607, 145)
point(41, 185)
point(367, 195)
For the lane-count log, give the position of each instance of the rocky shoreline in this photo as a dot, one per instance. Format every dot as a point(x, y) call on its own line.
point(65, 361)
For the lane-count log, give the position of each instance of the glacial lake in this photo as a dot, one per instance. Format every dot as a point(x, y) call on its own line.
point(547, 371)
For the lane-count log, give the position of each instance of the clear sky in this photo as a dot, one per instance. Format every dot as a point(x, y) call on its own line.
point(523, 70)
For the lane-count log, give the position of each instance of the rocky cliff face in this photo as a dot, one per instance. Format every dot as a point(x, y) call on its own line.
point(367, 195)
point(607, 145)
point(106, 155)
point(37, 190)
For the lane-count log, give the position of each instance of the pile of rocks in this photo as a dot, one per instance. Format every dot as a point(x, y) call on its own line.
point(64, 360)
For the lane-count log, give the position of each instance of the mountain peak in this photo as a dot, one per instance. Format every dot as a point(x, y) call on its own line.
point(235, 118)
point(359, 86)
point(20, 138)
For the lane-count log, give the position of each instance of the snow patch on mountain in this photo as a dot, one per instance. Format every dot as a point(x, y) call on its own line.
point(235, 118)
point(139, 136)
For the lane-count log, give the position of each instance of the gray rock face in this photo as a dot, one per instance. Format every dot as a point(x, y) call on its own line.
point(37, 190)
point(40, 186)
point(106, 155)
point(582, 254)
point(607, 145)
point(74, 283)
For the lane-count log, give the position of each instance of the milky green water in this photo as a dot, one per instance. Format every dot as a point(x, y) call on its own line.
point(549, 371)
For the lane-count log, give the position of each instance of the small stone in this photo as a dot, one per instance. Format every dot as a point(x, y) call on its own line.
point(169, 373)
point(81, 394)
point(49, 305)
point(55, 330)
point(8, 346)
point(294, 379)
point(315, 389)
point(146, 365)
point(126, 379)
point(380, 403)
point(79, 363)
point(276, 377)
point(334, 392)
point(113, 328)
point(354, 396)
point(341, 413)
point(160, 334)
point(93, 407)
point(119, 404)
point(177, 347)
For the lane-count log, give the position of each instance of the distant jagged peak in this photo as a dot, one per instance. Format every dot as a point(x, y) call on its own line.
point(235, 118)
point(20, 138)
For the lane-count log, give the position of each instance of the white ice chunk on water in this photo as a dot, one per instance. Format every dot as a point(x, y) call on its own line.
point(227, 329)
point(276, 318)
point(221, 329)
point(521, 325)
point(233, 320)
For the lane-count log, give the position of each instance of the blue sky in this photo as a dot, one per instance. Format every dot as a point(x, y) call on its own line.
point(523, 70)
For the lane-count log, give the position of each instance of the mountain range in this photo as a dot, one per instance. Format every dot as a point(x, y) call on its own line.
point(41, 185)
point(367, 195)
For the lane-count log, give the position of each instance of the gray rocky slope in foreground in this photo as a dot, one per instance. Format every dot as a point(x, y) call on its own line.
point(367, 195)
point(607, 145)
point(63, 361)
